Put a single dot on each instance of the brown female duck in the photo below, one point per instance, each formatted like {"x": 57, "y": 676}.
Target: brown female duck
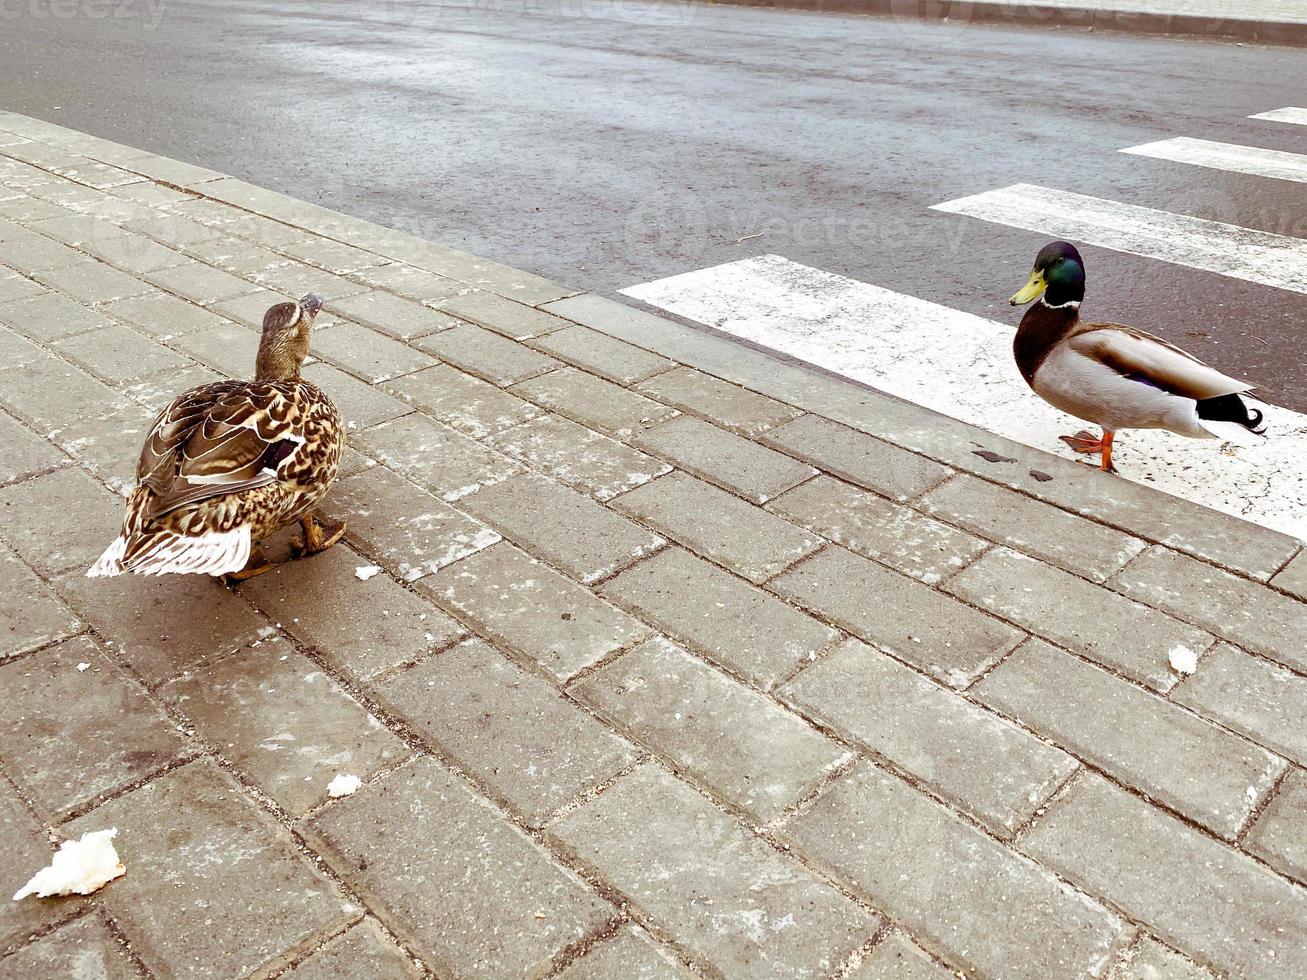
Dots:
{"x": 228, "y": 463}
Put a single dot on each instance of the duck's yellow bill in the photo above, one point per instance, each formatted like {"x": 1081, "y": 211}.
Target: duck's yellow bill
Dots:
{"x": 1031, "y": 291}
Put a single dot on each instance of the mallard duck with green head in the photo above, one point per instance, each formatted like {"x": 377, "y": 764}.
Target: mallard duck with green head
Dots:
{"x": 229, "y": 463}
{"x": 1116, "y": 376}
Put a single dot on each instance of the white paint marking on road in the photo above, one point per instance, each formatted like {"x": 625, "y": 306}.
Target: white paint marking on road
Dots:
{"x": 1213, "y": 246}
{"x": 961, "y": 365}
{"x": 1254, "y": 160}
{"x": 1289, "y": 114}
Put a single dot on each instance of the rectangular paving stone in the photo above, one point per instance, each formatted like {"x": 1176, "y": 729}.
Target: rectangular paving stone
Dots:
{"x": 603, "y": 355}
{"x": 409, "y": 531}
{"x": 535, "y": 749}
{"x": 49, "y": 393}
{"x": 90, "y": 281}
{"x": 161, "y": 314}
{"x": 299, "y": 278}
{"x": 730, "y": 461}
{"x": 1293, "y": 577}
{"x": 35, "y": 520}
{"x": 902, "y": 851}
{"x": 237, "y": 256}
{"x": 730, "y": 406}
{"x": 29, "y": 252}
{"x": 987, "y": 766}
{"x": 594, "y": 402}
{"x": 31, "y": 614}
{"x": 1258, "y": 699}
{"x": 26, "y": 851}
{"x": 486, "y": 354}
{"x": 113, "y": 737}
{"x": 201, "y": 283}
{"x": 107, "y": 439}
{"x": 529, "y": 608}
{"x": 83, "y": 948}
{"x": 390, "y": 314}
{"x": 733, "y": 902}
{"x": 1086, "y": 619}
{"x": 877, "y": 528}
{"x": 896, "y": 958}
{"x": 724, "y": 735}
{"x": 1253, "y": 616}
{"x": 227, "y": 347}
{"x": 1197, "y": 769}
{"x": 941, "y": 636}
{"x": 408, "y": 281}
{"x": 359, "y": 403}
{"x": 501, "y": 315}
{"x": 717, "y": 525}
{"x": 474, "y": 407}
{"x": 17, "y": 351}
{"x": 49, "y": 316}
{"x": 14, "y": 285}
{"x": 506, "y": 907}
{"x": 213, "y": 886}
{"x": 1058, "y": 537}
{"x": 156, "y": 391}
{"x": 360, "y": 627}
{"x": 577, "y": 456}
{"x": 26, "y": 453}
{"x": 333, "y": 256}
{"x": 284, "y": 723}
{"x": 367, "y": 353}
{"x": 561, "y": 526}
{"x": 737, "y": 626}
{"x": 160, "y": 626}
{"x": 107, "y": 241}
{"x": 173, "y": 229}
{"x": 857, "y": 457}
{"x": 630, "y": 954}
{"x": 435, "y": 456}
{"x": 1150, "y": 960}
{"x": 363, "y": 950}
{"x": 1279, "y": 837}
{"x": 118, "y": 354}
{"x": 1218, "y": 905}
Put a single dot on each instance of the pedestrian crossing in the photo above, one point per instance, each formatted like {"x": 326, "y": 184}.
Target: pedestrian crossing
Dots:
{"x": 960, "y": 364}
{"x": 1212, "y": 246}
{"x": 1289, "y": 114}
{"x": 1253, "y": 160}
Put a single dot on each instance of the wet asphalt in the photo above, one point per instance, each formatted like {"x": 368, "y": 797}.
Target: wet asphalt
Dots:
{"x": 604, "y": 143}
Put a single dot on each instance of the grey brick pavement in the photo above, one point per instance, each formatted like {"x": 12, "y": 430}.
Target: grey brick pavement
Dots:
{"x": 683, "y": 660}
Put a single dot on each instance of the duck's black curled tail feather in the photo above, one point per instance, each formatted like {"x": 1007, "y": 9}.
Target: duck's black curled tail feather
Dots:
{"x": 1230, "y": 408}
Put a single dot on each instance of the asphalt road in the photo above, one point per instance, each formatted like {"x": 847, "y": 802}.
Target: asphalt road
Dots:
{"x": 607, "y": 143}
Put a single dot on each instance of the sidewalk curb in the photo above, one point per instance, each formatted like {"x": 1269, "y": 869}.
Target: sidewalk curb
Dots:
{"x": 1037, "y": 15}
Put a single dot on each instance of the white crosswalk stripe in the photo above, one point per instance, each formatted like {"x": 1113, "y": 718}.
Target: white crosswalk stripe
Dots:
{"x": 1289, "y": 114}
{"x": 1213, "y": 246}
{"x": 961, "y": 365}
{"x": 1254, "y": 160}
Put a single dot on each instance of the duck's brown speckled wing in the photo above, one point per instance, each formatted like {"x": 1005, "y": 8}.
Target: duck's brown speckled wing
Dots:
{"x": 233, "y": 436}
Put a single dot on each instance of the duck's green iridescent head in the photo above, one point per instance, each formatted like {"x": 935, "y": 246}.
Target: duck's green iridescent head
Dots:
{"x": 1058, "y": 276}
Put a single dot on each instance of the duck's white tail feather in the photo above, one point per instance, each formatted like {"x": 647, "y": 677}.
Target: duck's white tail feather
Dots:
{"x": 217, "y": 553}
{"x": 111, "y": 562}
{"x": 1240, "y": 435}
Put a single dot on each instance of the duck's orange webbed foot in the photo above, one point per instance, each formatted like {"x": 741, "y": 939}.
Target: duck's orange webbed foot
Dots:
{"x": 316, "y": 538}
{"x": 257, "y": 565}
{"x": 1086, "y": 443}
